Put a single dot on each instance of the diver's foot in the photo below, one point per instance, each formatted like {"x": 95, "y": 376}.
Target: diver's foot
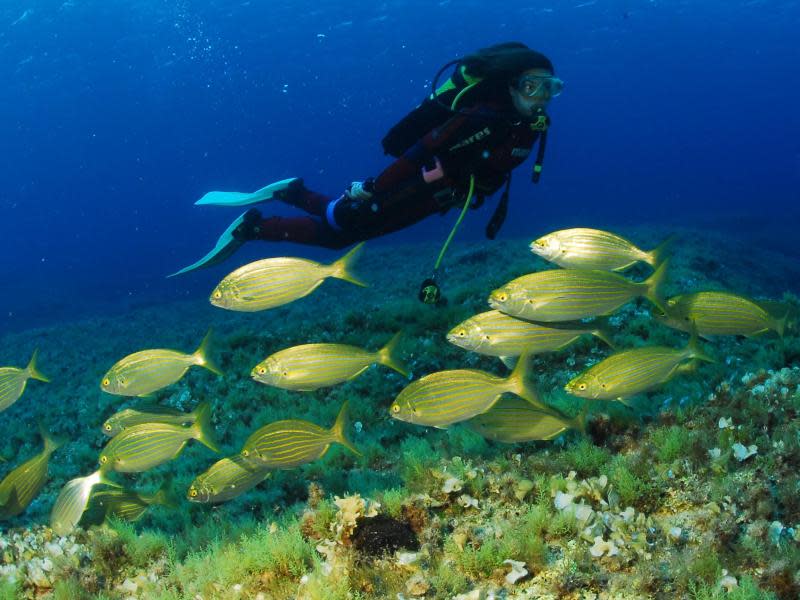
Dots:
{"x": 292, "y": 193}
{"x": 250, "y": 227}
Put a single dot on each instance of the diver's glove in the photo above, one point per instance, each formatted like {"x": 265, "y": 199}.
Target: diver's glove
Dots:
{"x": 361, "y": 190}
{"x": 250, "y": 227}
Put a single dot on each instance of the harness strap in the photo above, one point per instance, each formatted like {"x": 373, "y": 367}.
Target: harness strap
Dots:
{"x": 499, "y": 214}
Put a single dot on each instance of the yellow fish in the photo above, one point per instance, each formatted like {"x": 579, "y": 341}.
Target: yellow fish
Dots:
{"x": 14, "y": 379}
{"x": 723, "y": 313}
{"x": 148, "y": 445}
{"x": 291, "y": 443}
{"x": 73, "y": 499}
{"x": 146, "y": 414}
{"x": 493, "y": 333}
{"x": 446, "y": 397}
{"x": 572, "y": 294}
{"x": 313, "y": 366}
{"x": 24, "y": 483}
{"x": 630, "y": 372}
{"x": 226, "y": 479}
{"x": 514, "y": 420}
{"x": 144, "y": 372}
{"x": 274, "y": 282}
{"x": 123, "y": 504}
{"x": 583, "y": 248}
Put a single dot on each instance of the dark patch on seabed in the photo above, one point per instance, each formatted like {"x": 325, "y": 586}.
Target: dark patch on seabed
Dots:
{"x": 691, "y": 492}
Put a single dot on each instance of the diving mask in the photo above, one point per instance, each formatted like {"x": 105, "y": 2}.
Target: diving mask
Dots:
{"x": 532, "y": 85}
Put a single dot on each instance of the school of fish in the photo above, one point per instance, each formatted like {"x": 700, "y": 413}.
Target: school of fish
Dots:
{"x": 544, "y": 311}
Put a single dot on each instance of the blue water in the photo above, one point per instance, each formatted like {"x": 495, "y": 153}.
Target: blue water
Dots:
{"x": 116, "y": 116}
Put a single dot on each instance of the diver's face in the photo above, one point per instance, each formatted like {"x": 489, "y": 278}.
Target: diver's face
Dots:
{"x": 532, "y": 92}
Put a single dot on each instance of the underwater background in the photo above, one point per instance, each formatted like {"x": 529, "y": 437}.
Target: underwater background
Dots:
{"x": 677, "y": 118}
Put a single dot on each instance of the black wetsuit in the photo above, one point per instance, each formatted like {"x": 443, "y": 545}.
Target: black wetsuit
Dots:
{"x": 476, "y": 142}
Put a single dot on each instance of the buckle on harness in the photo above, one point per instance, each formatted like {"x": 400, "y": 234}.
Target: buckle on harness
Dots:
{"x": 434, "y": 174}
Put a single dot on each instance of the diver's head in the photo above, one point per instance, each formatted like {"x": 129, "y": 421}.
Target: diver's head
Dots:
{"x": 533, "y": 89}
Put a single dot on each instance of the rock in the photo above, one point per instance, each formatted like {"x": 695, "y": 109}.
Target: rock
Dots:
{"x": 417, "y": 586}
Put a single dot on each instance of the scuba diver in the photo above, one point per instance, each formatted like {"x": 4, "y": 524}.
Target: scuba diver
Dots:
{"x": 456, "y": 148}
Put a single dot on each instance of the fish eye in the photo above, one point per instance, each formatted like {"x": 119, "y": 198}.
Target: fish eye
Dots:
{"x": 261, "y": 370}
{"x": 581, "y": 386}
{"x": 103, "y": 460}
{"x": 107, "y": 427}
{"x": 502, "y": 297}
{"x": 395, "y": 408}
{"x": 461, "y": 333}
{"x": 106, "y": 382}
{"x": 217, "y": 294}
{"x": 192, "y": 493}
{"x": 245, "y": 453}
{"x": 285, "y": 373}
{"x": 604, "y": 385}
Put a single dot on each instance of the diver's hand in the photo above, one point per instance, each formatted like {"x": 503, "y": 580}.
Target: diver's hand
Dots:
{"x": 360, "y": 190}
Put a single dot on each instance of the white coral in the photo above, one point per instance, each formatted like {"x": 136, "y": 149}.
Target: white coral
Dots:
{"x": 518, "y": 570}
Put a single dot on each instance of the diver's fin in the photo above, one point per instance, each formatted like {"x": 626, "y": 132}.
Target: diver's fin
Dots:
{"x": 245, "y": 199}
{"x": 226, "y": 246}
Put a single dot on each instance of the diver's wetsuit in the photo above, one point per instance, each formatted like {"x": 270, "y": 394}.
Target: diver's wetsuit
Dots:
{"x": 476, "y": 142}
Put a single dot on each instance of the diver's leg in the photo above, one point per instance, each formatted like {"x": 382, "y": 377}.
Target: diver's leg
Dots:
{"x": 307, "y": 230}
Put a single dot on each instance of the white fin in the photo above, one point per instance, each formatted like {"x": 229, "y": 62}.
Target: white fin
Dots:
{"x": 226, "y": 245}
{"x": 244, "y": 198}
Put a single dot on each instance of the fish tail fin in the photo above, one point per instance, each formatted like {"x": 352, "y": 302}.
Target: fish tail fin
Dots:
{"x": 165, "y": 496}
{"x": 388, "y": 355}
{"x": 343, "y": 268}
{"x": 654, "y": 283}
{"x": 693, "y": 349}
{"x": 33, "y": 369}
{"x": 203, "y": 428}
{"x": 51, "y": 443}
{"x": 780, "y": 324}
{"x": 602, "y": 331}
{"x": 519, "y": 384}
{"x": 582, "y": 418}
{"x": 202, "y": 355}
{"x": 658, "y": 255}
{"x": 339, "y": 429}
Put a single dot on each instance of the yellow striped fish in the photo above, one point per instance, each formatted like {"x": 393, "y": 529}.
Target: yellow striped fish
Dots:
{"x": 148, "y": 445}
{"x": 226, "y": 479}
{"x": 274, "y": 282}
{"x": 123, "y": 504}
{"x": 144, "y": 372}
{"x": 493, "y": 333}
{"x": 572, "y": 294}
{"x": 291, "y": 443}
{"x": 630, "y": 372}
{"x": 583, "y": 248}
{"x": 312, "y": 366}
{"x": 73, "y": 499}
{"x": 446, "y": 397}
{"x": 146, "y": 414}
{"x": 514, "y": 420}
{"x": 721, "y": 313}
{"x": 23, "y": 484}
{"x": 14, "y": 379}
